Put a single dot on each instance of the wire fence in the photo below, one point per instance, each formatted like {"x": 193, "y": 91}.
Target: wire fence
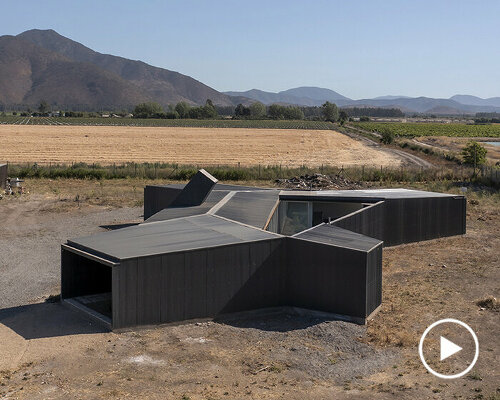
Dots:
{"x": 237, "y": 172}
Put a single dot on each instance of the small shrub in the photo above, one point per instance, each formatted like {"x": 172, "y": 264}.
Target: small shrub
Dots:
{"x": 387, "y": 137}
{"x": 474, "y": 154}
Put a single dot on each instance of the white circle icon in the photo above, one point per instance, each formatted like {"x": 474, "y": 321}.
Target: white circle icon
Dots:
{"x": 448, "y": 348}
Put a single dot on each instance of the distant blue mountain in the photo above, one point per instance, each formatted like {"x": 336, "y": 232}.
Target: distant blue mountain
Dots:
{"x": 315, "y": 96}
{"x": 306, "y": 96}
{"x": 476, "y": 101}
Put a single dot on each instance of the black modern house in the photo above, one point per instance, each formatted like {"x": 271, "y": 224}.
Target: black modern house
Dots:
{"x": 207, "y": 249}
{"x": 3, "y": 175}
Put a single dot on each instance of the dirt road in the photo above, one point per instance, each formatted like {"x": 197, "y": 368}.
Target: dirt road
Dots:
{"x": 407, "y": 158}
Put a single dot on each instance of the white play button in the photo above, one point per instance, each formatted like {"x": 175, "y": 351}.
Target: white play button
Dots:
{"x": 448, "y": 348}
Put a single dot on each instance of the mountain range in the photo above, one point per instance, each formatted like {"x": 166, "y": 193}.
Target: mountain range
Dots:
{"x": 41, "y": 65}
{"x": 313, "y": 96}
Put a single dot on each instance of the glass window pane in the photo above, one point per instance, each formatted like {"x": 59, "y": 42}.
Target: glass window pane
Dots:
{"x": 295, "y": 217}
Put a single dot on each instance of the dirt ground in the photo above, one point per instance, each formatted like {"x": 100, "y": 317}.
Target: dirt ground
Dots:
{"x": 203, "y": 146}
{"x": 50, "y": 352}
{"x": 456, "y": 144}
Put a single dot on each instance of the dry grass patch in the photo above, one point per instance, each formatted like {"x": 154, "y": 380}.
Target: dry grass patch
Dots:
{"x": 194, "y": 146}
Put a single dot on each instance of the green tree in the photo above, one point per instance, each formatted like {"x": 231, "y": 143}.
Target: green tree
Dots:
{"x": 343, "y": 117}
{"x": 182, "y": 109}
{"x": 43, "y": 107}
{"x": 293, "y": 113}
{"x": 257, "y": 110}
{"x": 148, "y": 110}
{"x": 196, "y": 113}
{"x": 209, "y": 111}
{"x": 276, "y": 111}
{"x": 241, "y": 111}
{"x": 330, "y": 112}
{"x": 474, "y": 154}
{"x": 387, "y": 137}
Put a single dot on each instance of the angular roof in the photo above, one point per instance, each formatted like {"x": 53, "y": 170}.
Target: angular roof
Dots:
{"x": 251, "y": 208}
{"x": 231, "y": 214}
{"x": 335, "y": 236}
{"x": 370, "y": 195}
{"x": 178, "y": 212}
{"x": 170, "y": 236}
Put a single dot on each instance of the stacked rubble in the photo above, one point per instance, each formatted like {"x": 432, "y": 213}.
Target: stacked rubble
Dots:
{"x": 318, "y": 182}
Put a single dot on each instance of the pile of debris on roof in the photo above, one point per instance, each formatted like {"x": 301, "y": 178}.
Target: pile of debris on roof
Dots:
{"x": 318, "y": 182}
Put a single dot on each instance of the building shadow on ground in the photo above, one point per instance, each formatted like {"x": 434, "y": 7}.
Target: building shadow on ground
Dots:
{"x": 42, "y": 320}
{"x": 283, "y": 319}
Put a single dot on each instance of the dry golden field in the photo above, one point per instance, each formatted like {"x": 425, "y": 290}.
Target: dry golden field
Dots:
{"x": 202, "y": 146}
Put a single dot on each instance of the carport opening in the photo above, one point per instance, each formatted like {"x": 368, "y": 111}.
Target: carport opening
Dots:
{"x": 87, "y": 283}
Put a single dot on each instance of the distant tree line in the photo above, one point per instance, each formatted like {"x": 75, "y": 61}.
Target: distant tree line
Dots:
{"x": 487, "y": 118}
{"x": 183, "y": 110}
{"x": 373, "y": 112}
{"x": 180, "y": 110}
{"x": 327, "y": 112}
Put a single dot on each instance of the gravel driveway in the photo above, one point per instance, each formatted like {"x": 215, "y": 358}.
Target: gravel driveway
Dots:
{"x": 31, "y": 233}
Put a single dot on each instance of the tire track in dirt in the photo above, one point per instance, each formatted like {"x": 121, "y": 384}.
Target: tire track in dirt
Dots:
{"x": 403, "y": 155}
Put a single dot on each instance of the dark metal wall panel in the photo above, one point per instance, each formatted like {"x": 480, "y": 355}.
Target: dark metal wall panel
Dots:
{"x": 195, "y": 284}
{"x": 156, "y": 198}
{"x": 326, "y": 278}
{"x": 127, "y": 294}
{"x": 200, "y": 283}
{"x": 269, "y": 267}
{"x": 397, "y": 221}
{"x": 368, "y": 221}
{"x": 3, "y": 176}
{"x": 148, "y": 290}
{"x": 412, "y": 220}
{"x": 225, "y": 283}
{"x": 172, "y": 287}
{"x": 373, "y": 279}
{"x": 115, "y": 299}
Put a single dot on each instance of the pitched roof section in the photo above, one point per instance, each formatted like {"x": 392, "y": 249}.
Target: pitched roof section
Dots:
{"x": 369, "y": 195}
{"x": 251, "y": 208}
{"x": 178, "y": 212}
{"x": 196, "y": 191}
{"x": 332, "y": 235}
{"x": 183, "y": 234}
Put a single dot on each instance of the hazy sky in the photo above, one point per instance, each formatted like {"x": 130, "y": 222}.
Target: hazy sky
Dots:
{"x": 359, "y": 48}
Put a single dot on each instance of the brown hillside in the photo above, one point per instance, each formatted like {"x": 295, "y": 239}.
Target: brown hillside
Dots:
{"x": 29, "y": 74}
{"x": 162, "y": 85}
